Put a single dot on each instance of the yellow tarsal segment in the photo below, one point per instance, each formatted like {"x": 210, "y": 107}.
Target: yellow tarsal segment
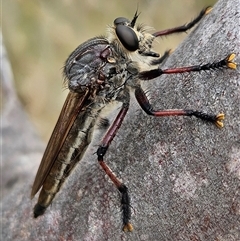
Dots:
{"x": 231, "y": 56}
{"x": 219, "y": 120}
{"x": 208, "y": 10}
{"x": 230, "y": 63}
{"x": 128, "y": 227}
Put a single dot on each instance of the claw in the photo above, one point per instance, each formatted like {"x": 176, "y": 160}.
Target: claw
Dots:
{"x": 230, "y": 63}
{"x": 219, "y": 120}
{"x": 208, "y": 10}
{"x": 128, "y": 227}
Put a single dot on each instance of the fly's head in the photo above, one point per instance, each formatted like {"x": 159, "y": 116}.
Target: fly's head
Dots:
{"x": 132, "y": 39}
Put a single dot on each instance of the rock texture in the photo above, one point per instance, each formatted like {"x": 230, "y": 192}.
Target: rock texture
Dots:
{"x": 183, "y": 174}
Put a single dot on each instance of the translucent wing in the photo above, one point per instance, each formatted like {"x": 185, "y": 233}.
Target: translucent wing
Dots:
{"x": 72, "y": 106}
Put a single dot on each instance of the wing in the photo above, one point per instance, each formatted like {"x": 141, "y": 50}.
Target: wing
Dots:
{"x": 72, "y": 106}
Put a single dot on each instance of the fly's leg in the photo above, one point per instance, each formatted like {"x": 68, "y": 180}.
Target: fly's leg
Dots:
{"x": 147, "y": 107}
{"x": 224, "y": 63}
{"x": 125, "y": 199}
{"x": 162, "y": 58}
{"x": 179, "y": 29}
{"x": 184, "y": 27}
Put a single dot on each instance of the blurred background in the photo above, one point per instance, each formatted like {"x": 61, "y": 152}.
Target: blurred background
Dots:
{"x": 40, "y": 35}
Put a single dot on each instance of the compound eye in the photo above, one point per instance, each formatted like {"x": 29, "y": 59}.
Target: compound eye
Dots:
{"x": 121, "y": 21}
{"x": 127, "y": 37}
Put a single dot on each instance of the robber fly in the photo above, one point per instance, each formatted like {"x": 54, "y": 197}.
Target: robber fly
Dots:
{"x": 100, "y": 71}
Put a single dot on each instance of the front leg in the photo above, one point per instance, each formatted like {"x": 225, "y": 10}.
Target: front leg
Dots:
{"x": 184, "y": 27}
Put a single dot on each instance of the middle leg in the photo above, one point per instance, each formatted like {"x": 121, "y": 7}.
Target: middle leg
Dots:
{"x": 224, "y": 63}
{"x": 147, "y": 107}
